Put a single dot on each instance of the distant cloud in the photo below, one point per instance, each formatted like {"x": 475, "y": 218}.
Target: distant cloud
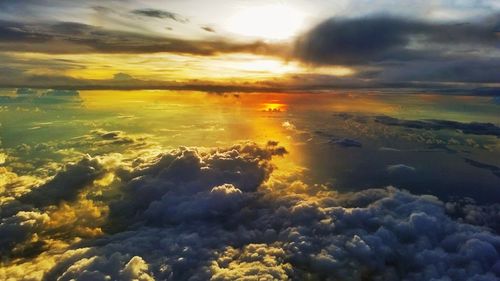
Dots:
{"x": 71, "y": 37}
{"x": 494, "y": 169}
{"x": 122, "y": 76}
{"x": 201, "y": 213}
{"x": 208, "y": 29}
{"x": 394, "y": 52}
{"x": 66, "y": 184}
{"x": 475, "y": 128}
{"x": 385, "y": 38}
{"x": 400, "y": 168}
{"x": 160, "y": 14}
{"x": 345, "y": 142}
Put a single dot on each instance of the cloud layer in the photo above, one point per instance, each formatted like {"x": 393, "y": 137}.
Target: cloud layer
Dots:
{"x": 385, "y": 38}
{"x": 199, "y": 214}
{"x": 383, "y": 50}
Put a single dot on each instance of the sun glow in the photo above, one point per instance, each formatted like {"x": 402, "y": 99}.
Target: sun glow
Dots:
{"x": 274, "y": 107}
{"x": 272, "y": 22}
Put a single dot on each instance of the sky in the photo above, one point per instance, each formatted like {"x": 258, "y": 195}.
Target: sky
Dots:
{"x": 434, "y": 46}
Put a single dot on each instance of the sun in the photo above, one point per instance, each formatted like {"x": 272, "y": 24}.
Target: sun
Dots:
{"x": 269, "y": 22}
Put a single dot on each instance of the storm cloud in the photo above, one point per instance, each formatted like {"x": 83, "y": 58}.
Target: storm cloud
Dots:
{"x": 394, "y": 52}
{"x": 385, "y": 38}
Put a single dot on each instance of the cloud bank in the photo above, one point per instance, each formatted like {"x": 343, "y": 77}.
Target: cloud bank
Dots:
{"x": 220, "y": 214}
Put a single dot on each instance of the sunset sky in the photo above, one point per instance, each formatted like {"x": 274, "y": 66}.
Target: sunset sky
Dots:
{"x": 249, "y": 140}
{"x": 250, "y": 45}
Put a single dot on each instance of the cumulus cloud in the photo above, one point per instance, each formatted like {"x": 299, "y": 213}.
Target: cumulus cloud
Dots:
{"x": 196, "y": 214}
{"x": 17, "y": 229}
{"x": 66, "y": 184}
{"x": 379, "y": 234}
{"x": 188, "y": 184}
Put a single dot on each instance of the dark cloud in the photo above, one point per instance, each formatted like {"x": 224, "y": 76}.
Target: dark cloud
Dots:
{"x": 66, "y": 185}
{"x": 467, "y": 210}
{"x": 345, "y": 142}
{"x": 188, "y": 184}
{"x": 474, "y": 128}
{"x": 160, "y": 14}
{"x": 127, "y": 82}
{"x": 379, "y": 234}
{"x": 115, "y": 138}
{"x": 71, "y": 37}
{"x": 208, "y": 29}
{"x": 384, "y": 38}
{"x": 494, "y": 169}
{"x": 392, "y": 52}
{"x": 19, "y": 228}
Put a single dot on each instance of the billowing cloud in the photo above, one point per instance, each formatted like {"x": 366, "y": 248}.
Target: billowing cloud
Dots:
{"x": 194, "y": 213}
{"x": 66, "y": 184}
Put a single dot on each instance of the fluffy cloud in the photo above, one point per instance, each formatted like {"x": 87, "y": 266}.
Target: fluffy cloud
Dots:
{"x": 112, "y": 268}
{"x": 66, "y": 184}
{"x": 22, "y": 227}
{"x": 345, "y": 142}
{"x": 197, "y": 214}
{"x": 188, "y": 184}
{"x": 253, "y": 261}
